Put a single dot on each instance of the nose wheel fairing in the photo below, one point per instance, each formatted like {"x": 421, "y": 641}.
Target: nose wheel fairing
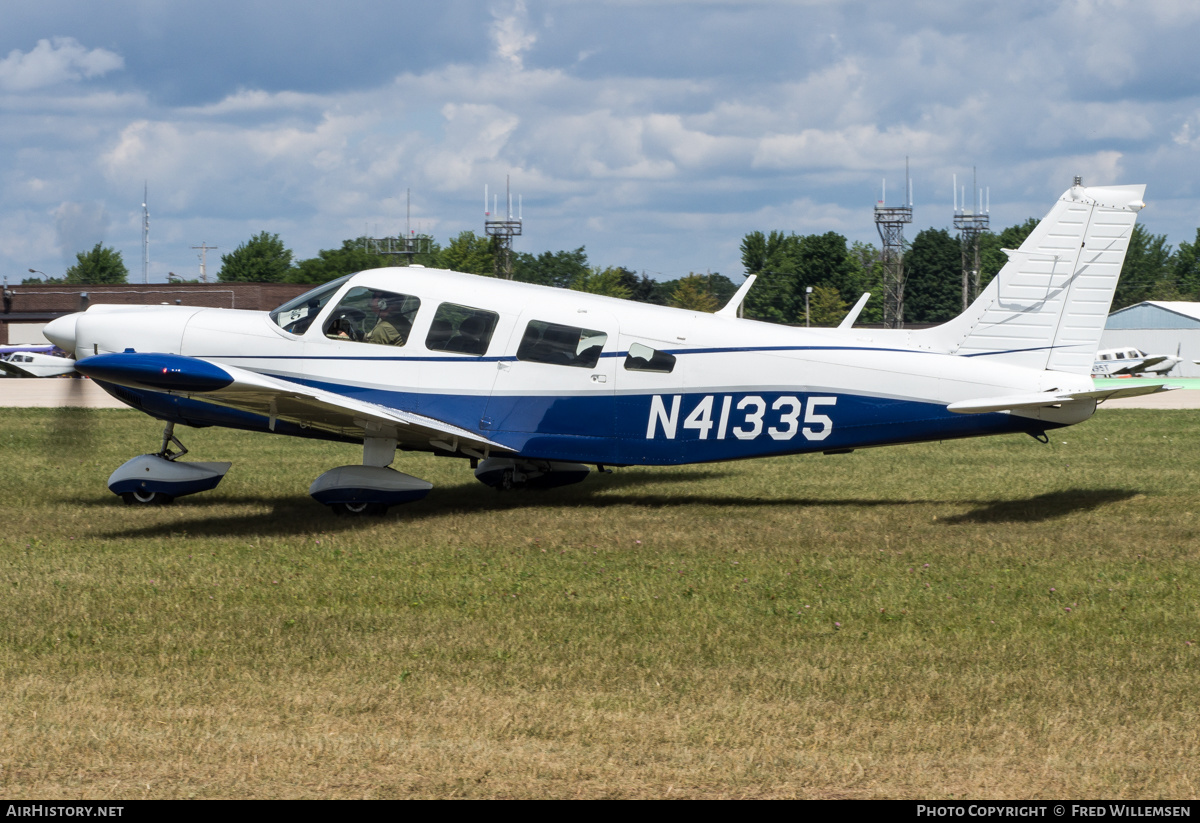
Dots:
{"x": 156, "y": 479}
{"x": 149, "y": 478}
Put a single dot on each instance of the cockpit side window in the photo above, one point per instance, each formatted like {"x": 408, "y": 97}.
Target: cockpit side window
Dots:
{"x": 461, "y": 329}
{"x": 298, "y": 314}
{"x": 644, "y": 358}
{"x": 375, "y": 316}
{"x": 561, "y": 345}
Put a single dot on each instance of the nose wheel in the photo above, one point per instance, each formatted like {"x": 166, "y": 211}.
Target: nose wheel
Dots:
{"x": 157, "y": 479}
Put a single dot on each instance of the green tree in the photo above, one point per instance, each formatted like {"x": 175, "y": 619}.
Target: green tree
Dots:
{"x": 1147, "y": 265}
{"x": 773, "y": 257}
{"x": 330, "y": 264}
{"x": 933, "y": 278}
{"x": 786, "y": 265}
{"x": 101, "y": 265}
{"x": 261, "y": 259}
{"x": 692, "y": 293}
{"x": 470, "y": 253}
{"x": 641, "y": 288}
{"x": 559, "y": 269}
{"x": 1185, "y": 269}
{"x": 867, "y": 265}
{"x": 826, "y": 306}
{"x": 602, "y": 281}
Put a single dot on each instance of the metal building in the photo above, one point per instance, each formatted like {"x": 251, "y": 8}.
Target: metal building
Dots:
{"x": 1158, "y": 327}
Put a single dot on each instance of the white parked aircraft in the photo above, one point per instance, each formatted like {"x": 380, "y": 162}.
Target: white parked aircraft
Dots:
{"x": 534, "y": 384}
{"x": 1116, "y": 362}
{"x": 34, "y": 361}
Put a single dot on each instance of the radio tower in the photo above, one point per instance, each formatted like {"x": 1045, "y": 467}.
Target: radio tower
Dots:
{"x": 503, "y": 230}
{"x": 408, "y": 246}
{"x": 145, "y": 233}
{"x": 890, "y": 221}
{"x": 971, "y": 223}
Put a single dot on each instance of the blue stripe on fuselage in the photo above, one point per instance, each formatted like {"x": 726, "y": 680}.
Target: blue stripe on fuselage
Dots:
{"x": 608, "y": 428}
{"x": 644, "y": 429}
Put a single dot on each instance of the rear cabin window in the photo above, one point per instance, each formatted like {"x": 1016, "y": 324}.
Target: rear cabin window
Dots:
{"x": 375, "y": 316}
{"x": 644, "y": 358}
{"x": 561, "y": 345}
{"x": 461, "y": 329}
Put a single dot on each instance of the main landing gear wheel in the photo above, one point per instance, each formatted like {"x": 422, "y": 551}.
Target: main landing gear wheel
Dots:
{"x": 146, "y": 498}
{"x": 358, "y": 509}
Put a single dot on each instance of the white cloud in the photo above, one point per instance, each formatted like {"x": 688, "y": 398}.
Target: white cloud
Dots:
{"x": 655, "y": 146}
{"x": 55, "y": 61}
{"x": 510, "y": 34}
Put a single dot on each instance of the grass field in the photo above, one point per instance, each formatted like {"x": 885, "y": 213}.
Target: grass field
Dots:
{"x": 987, "y": 618}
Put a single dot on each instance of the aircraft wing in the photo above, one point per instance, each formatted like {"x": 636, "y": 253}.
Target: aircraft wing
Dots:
{"x": 1015, "y": 402}
{"x": 279, "y": 399}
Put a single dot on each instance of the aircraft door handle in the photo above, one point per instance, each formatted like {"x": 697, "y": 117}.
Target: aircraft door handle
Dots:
{"x": 599, "y": 378}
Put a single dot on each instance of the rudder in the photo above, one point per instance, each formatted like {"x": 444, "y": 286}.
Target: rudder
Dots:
{"x": 1047, "y": 307}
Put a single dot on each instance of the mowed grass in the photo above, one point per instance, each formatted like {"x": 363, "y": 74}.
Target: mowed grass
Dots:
{"x": 986, "y": 618}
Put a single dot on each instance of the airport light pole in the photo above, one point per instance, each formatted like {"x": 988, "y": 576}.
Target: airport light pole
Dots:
{"x": 807, "y": 292}
{"x": 42, "y": 273}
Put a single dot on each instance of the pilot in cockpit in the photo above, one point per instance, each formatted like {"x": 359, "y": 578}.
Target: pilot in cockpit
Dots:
{"x": 385, "y": 332}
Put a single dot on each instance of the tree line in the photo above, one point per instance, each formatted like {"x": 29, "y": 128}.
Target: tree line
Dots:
{"x": 801, "y": 278}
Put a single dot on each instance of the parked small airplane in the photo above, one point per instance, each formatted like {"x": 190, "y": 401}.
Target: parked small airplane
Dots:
{"x": 34, "y": 361}
{"x": 534, "y": 384}
{"x": 1117, "y": 362}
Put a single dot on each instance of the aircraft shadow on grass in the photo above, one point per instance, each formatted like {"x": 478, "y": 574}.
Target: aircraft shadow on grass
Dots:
{"x": 1047, "y": 506}
{"x": 302, "y": 518}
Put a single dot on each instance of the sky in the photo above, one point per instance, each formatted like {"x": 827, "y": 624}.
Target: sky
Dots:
{"x": 655, "y": 134}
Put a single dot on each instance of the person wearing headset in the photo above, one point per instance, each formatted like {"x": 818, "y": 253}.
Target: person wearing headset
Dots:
{"x": 385, "y": 332}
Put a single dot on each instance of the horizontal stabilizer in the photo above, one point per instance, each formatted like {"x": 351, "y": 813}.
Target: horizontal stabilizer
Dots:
{"x": 1015, "y": 402}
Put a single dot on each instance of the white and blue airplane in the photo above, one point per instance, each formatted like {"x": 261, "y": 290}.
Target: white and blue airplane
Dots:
{"x": 534, "y": 384}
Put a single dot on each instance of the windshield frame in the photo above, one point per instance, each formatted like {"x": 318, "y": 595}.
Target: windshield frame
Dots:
{"x": 323, "y": 294}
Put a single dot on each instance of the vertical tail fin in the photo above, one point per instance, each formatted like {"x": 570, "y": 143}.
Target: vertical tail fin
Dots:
{"x": 1047, "y": 307}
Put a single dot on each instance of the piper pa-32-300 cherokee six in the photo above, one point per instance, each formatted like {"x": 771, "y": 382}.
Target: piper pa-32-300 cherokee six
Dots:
{"x": 534, "y": 384}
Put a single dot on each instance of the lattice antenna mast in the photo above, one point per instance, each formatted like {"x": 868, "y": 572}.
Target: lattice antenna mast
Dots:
{"x": 145, "y": 233}
{"x": 503, "y": 230}
{"x": 408, "y": 246}
{"x": 204, "y": 250}
{"x": 971, "y": 223}
{"x": 890, "y": 222}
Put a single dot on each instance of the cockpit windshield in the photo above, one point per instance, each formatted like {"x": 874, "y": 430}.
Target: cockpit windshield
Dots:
{"x": 297, "y": 315}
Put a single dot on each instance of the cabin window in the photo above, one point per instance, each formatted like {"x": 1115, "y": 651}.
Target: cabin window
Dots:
{"x": 367, "y": 315}
{"x": 644, "y": 358}
{"x": 1120, "y": 355}
{"x": 461, "y": 329}
{"x": 561, "y": 345}
{"x": 297, "y": 315}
